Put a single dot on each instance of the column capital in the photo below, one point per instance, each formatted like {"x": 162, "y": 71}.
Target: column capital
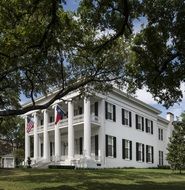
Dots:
{"x": 69, "y": 100}
{"x": 45, "y": 110}
{"x": 35, "y": 114}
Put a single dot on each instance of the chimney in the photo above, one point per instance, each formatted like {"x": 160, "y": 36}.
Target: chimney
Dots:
{"x": 170, "y": 117}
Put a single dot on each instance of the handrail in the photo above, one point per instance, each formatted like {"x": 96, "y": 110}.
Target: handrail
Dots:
{"x": 64, "y": 122}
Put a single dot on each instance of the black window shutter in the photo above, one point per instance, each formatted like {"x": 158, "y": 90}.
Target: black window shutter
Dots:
{"x": 143, "y": 124}
{"x": 162, "y": 134}
{"x": 106, "y": 144}
{"x": 130, "y": 119}
{"x": 152, "y": 127}
{"x": 146, "y": 123}
{"x": 106, "y": 110}
{"x": 130, "y": 150}
{"x": 137, "y": 151}
{"x": 143, "y": 150}
{"x": 114, "y": 144}
{"x": 152, "y": 154}
{"x": 81, "y": 145}
{"x": 96, "y": 145}
{"x": 96, "y": 108}
{"x": 41, "y": 149}
{"x": 80, "y": 110}
{"x": 51, "y": 148}
{"x": 136, "y": 121}
{"x": 147, "y": 153}
{"x": 114, "y": 113}
{"x": 123, "y": 116}
{"x": 123, "y": 148}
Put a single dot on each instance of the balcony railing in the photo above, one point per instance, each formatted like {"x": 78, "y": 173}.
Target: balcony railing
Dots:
{"x": 78, "y": 119}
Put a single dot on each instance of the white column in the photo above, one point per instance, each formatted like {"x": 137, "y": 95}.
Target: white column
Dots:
{"x": 87, "y": 128}
{"x": 36, "y": 150}
{"x": 101, "y": 132}
{"x": 27, "y": 142}
{"x": 70, "y": 130}
{"x": 57, "y": 140}
{"x": 46, "y": 137}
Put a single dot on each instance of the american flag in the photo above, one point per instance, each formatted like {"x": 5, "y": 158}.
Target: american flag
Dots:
{"x": 30, "y": 124}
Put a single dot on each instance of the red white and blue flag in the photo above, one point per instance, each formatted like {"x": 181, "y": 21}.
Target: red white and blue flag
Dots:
{"x": 30, "y": 124}
{"x": 60, "y": 114}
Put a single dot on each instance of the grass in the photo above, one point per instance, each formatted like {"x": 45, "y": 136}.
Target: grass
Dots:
{"x": 109, "y": 179}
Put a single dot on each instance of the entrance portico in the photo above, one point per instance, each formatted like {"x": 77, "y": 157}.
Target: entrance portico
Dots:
{"x": 70, "y": 139}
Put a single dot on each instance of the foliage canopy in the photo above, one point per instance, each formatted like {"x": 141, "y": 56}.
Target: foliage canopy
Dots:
{"x": 43, "y": 47}
{"x": 176, "y": 147}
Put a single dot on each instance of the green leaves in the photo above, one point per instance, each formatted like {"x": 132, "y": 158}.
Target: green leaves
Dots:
{"x": 176, "y": 148}
{"x": 42, "y": 47}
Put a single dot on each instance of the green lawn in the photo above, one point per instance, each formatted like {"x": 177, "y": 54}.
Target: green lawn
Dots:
{"x": 108, "y": 179}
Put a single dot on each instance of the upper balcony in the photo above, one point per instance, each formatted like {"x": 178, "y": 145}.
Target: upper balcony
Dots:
{"x": 77, "y": 120}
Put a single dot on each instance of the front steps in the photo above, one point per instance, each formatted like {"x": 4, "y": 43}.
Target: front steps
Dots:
{"x": 68, "y": 164}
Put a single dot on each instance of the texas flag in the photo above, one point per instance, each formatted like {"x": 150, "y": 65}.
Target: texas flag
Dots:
{"x": 60, "y": 114}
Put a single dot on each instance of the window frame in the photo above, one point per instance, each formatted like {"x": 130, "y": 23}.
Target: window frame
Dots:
{"x": 149, "y": 126}
{"x": 126, "y": 149}
{"x": 110, "y": 141}
{"x": 140, "y": 152}
{"x": 139, "y": 122}
{"x": 110, "y": 111}
{"x": 126, "y": 117}
{"x": 110, "y": 138}
{"x": 160, "y": 134}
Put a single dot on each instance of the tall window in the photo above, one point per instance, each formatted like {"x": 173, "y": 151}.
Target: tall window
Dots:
{"x": 110, "y": 111}
{"x": 51, "y": 119}
{"x": 160, "y": 158}
{"x": 110, "y": 146}
{"x": 126, "y": 118}
{"x": 149, "y": 153}
{"x": 139, "y": 122}
{"x": 149, "y": 126}
{"x": 160, "y": 134}
{"x": 41, "y": 122}
{"x": 139, "y": 152}
{"x": 127, "y": 149}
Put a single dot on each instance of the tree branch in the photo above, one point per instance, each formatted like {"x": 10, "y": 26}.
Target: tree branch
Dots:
{"x": 32, "y": 88}
{"x": 125, "y": 13}
{"x": 59, "y": 95}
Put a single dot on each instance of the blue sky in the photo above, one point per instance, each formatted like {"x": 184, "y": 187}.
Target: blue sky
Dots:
{"x": 143, "y": 95}
{"x": 71, "y": 5}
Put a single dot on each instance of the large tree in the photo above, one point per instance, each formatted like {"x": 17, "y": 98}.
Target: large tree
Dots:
{"x": 176, "y": 147}
{"x": 44, "y": 47}
{"x": 12, "y": 133}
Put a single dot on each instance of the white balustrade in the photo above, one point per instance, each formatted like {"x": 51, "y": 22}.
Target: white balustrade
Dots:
{"x": 64, "y": 123}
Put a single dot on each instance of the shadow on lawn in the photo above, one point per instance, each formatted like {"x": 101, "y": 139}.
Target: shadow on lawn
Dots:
{"x": 113, "y": 186}
{"x": 95, "y": 180}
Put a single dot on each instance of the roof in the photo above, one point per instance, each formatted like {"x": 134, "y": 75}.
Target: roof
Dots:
{"x": 115, "y": 90}
{"x": 136, "y": 101}
{"x": 163, "y": 120}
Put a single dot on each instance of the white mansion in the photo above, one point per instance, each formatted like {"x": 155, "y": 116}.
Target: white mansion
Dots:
{"x": 113, "y": 130}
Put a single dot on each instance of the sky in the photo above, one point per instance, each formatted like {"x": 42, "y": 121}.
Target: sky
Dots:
{"x": 142, "y": 95}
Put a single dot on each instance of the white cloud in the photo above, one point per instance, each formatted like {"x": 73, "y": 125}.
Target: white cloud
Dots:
{"x": 177, "y": 109}
{"x": 145, "y": 96}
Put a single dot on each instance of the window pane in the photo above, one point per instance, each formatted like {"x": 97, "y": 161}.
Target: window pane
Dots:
{"x": 110, "y": 150}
